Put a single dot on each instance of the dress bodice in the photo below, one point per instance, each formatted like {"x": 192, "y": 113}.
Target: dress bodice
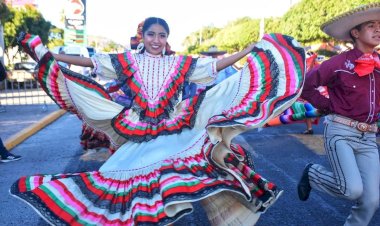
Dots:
{"x": 157, "y": 86}
{"x": 154, "y": 72}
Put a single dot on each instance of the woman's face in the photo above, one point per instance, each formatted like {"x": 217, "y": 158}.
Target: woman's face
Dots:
{"x": 155, "y": 39}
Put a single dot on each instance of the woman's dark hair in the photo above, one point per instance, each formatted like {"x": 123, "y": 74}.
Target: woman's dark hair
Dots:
{"x": 155, "y": 20}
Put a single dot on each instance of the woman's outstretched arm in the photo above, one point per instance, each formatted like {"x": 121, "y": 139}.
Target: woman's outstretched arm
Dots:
{"x": 230, "y": 60}
{"x": 75, "y": 60}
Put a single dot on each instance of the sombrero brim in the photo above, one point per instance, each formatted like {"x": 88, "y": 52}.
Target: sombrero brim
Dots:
{"x": 213, "y": 53}
{"x": 340, "y": 26}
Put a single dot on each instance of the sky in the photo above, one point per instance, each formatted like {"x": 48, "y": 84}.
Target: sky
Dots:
{"x": 118, "y": 19}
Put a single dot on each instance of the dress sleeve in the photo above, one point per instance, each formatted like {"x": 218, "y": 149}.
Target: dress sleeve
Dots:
{"x": 204, "y": 72}
{"x": 103, "y": 66}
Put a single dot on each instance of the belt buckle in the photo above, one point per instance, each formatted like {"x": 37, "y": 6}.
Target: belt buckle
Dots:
{"x": 362, "y": 127}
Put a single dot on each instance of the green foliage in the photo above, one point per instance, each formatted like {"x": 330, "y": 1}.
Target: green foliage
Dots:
{"x": 272, "y": 25}
{"x": 5, "y": 14}
{"x": 225, "y": 38}
{"x": 302, "y": 21}
{"x": 55, "y": 37}
{"x": 237, "y": 35}
{"x": 198, "y": 40}
{"x": 112, "y": 47}
{"x": 26, "y": 19}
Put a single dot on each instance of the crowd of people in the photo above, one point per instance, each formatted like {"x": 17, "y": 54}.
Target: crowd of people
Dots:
{"x": 170, "y": 120}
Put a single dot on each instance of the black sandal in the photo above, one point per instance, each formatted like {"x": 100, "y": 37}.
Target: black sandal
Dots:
{"x": 308, "y": 132}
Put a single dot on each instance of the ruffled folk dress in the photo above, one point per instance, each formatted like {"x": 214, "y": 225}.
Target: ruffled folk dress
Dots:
{"x": 173, "y": 142}
{"x": 301, "y": 109}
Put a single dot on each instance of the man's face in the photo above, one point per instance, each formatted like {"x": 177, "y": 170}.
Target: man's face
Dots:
{"x": 368, "y": 35}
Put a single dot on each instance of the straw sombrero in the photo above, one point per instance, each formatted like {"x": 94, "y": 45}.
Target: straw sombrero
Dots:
{"x": 212, "y": 51}
{"x": 340, "y": 26}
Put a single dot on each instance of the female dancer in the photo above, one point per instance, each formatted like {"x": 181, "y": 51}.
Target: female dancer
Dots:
{"x": 173, "y": 145}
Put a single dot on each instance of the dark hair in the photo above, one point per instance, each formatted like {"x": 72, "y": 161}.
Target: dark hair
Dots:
{"x": 155, "y": 20}
{"x": 357, "y": 27}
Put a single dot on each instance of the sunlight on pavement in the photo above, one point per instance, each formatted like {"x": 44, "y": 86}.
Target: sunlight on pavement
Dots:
{"x": 314, "y": 142}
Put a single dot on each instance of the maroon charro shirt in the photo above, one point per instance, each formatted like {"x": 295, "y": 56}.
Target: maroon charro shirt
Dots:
{"x": 351, "y": 96}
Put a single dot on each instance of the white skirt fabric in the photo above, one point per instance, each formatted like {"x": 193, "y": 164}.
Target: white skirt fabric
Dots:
{"x": 155, "y": 182}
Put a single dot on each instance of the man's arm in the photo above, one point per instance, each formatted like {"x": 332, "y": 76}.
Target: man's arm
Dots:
{"x": 321, "y": 75}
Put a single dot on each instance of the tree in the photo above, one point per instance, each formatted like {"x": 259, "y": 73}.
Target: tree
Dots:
{"x": 4, "y": 12}
{"x": 4, "y": 16}
{"x": 238, "y": 34}
{"x": 112, "y": 47}
{"x": 200, "y": 40}
{"x": 303, "y": 20}
{"x": 225, "y": 38}
{"x": 26, "y": 19}
{"x": 55, "y": 37}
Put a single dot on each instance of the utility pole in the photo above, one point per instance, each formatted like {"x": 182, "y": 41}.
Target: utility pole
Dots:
{"x": 200, "y": 37}
{"x": 262, "y": 28}
{"x": 1, "y": 43}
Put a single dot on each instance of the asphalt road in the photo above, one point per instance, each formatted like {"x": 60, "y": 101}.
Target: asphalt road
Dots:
{"x": 15, "y": 118}
{"x": 279, "y": 155}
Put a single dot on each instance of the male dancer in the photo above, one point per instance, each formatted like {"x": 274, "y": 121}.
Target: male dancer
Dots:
{"x": 353, "y": 82}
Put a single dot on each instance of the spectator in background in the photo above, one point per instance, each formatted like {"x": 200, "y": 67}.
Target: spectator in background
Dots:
{"x": 311, "y": 62}
{"x": 226, "y": 72}
{"x": 6, "y": 156}
{"x": 4, "y": 153}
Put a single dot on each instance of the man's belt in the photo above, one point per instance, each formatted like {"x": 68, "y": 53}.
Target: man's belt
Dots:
{"x": 361, "y": 126}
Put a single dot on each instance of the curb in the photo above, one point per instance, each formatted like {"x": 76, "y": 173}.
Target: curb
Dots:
{"x": 29, "y": 131}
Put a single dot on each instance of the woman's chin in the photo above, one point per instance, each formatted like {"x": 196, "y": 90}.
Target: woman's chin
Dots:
{"x": 155, "y": 52}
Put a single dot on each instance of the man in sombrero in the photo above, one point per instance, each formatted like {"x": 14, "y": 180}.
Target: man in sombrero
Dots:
{"x": 214, "y": 52}
{"x": 353, "y": 82}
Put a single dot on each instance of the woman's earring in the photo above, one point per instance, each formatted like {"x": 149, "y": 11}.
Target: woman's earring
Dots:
{"x": 163, "y": 51}
{"x": 140, "y": 47}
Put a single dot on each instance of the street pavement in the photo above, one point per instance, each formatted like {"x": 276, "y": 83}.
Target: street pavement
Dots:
{"x": 280, "y": 153}
{"x": 15, "y": 118}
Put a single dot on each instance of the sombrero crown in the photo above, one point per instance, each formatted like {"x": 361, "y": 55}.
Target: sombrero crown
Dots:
{"x": 340, "y": 26}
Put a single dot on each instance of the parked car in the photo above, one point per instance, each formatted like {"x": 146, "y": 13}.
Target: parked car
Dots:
{"x": 23, "y": 72}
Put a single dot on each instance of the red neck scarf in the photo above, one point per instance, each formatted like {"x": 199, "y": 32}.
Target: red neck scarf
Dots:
{"x": 367, "y": 63}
